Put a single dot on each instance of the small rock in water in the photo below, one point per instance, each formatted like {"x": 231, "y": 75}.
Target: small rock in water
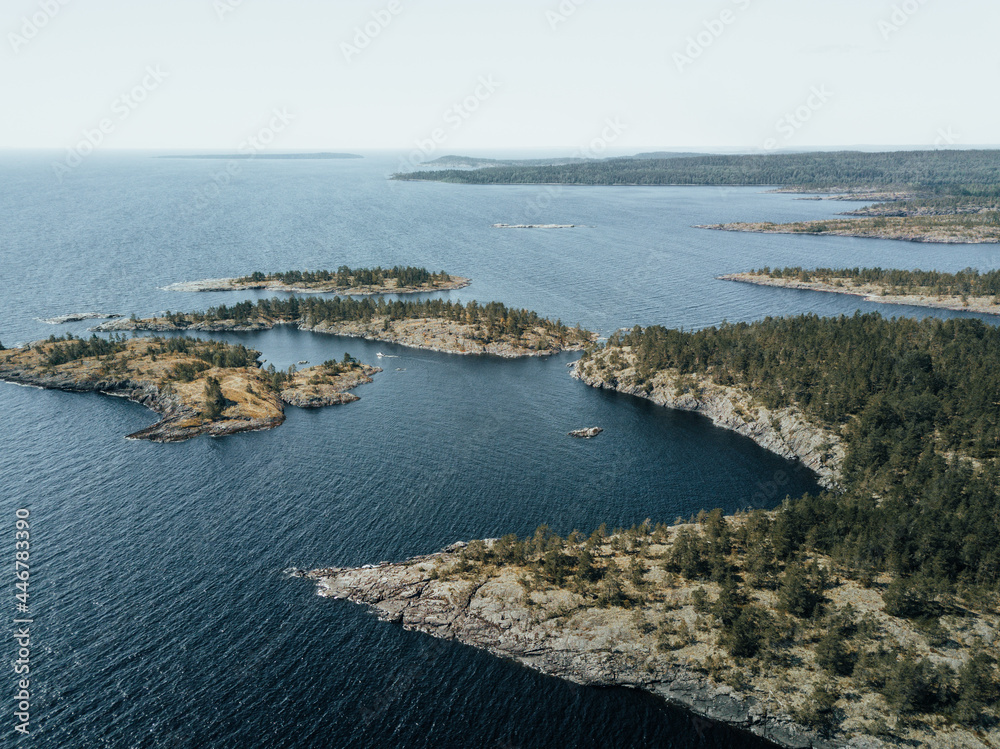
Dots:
{"x": 586, "y": 433}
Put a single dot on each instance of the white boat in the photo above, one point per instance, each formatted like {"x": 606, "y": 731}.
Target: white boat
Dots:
{"x": 380, "y": 355}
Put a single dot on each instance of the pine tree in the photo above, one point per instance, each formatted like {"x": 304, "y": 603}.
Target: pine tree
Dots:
{"x": 215, "y": 401}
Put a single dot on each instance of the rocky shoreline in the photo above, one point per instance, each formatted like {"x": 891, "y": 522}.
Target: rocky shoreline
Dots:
{"x": 179, "y": 421}
{"x": 428, "y": 334}
{"x": 785, "y": 432}
{"x": 871, "y": 293}
{"x": 78, "y": 317}
{"x": 590, "y": 646}
{"x": 310, "y": 388}
{"x": 662, "y": 633}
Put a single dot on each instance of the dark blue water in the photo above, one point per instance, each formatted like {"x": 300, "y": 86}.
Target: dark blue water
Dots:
{"x": 162, "y": 617}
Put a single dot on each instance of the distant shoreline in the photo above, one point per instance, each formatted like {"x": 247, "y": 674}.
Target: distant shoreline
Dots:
{"x": 872, "y": 293}
{"x": 273, "y": 156}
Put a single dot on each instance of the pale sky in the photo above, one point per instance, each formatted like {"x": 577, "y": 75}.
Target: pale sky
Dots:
{"x": 499, "y": 74}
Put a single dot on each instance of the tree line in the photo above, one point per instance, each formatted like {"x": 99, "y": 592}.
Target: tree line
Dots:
{"x": 347, "y": 277}
{"x": 495, "y": 319}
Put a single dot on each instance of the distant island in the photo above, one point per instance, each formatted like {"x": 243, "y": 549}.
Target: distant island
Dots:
{"x": 197, "y": 387}
{"x": 472, "y": 162}
{"x": 255, "y": 156}
{"x": 344, "y": 280}
{"x": 965, "y": 291}
{"x": 947, "y": 196}
{"x": 433, "y": 324}
{"x": 534, "y": 226}
{"x": 866, "y": 616}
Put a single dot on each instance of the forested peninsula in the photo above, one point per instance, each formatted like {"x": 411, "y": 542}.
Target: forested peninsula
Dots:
{"x": 197, "y": 387}
{"x": 433, "y": 324}
{"x": 866, "y": 616}
{"x": 977, "y": 228}
{"x": 966, "y": 291}
{"x": 344, "y": 281}
{"x": 948, "y": 196}
{"x": 829, "y": 172}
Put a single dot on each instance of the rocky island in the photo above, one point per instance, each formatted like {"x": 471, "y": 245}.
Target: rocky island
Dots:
{"x": 433, "y": 324}
{"x": 587, "y": 433}
{"x": 344, "y": 281}
{"x": 965, "y": 291}
{"x": 79, "y": 317}
{"x": 197, "y": 387}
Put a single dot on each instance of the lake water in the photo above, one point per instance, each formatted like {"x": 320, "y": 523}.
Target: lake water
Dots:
{"x": 162, "y": 617}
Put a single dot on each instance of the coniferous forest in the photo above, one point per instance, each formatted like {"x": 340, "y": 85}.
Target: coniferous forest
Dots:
{"x": 968, "y": 282}
{"x": 352, "y": 277}
{"x": 918, "y": 403}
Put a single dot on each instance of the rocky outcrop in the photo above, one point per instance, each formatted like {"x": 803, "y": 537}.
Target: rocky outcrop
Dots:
{"x": 314, "y": 388}
{"x": 78, "y": 317}
{"x": 785, "y": 431}
{"x": 587, "y": 434}
{"x": 592, "y": 646}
